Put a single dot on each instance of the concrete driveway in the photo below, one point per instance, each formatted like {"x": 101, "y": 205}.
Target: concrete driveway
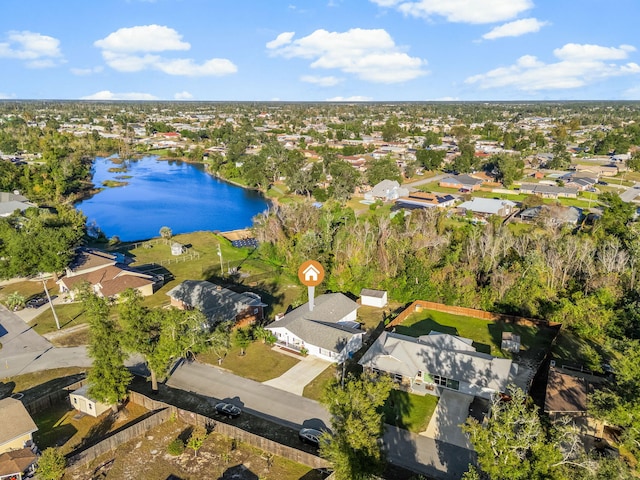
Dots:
{"x": 297, "y": 377}
{"x": 451, "y": 412}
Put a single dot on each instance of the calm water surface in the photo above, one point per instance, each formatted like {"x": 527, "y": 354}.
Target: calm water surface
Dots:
{"x": 180, "y": 195}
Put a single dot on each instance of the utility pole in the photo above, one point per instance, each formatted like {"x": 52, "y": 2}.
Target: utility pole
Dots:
{"x": 221, "y": 262}
{"x": 53, "y": 310}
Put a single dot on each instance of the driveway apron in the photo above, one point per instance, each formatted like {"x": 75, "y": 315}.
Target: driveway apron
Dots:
{"x": 297, "y": 377}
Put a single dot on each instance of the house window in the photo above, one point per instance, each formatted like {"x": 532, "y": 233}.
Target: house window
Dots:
{"x": 453, "y": 384}
{"x": 75, "y": 400}
{"x": 90, "y": 407}
{"x": 255, "y": 311}
{"x": 438, "y": 380}
{"x": 398, "y": 378}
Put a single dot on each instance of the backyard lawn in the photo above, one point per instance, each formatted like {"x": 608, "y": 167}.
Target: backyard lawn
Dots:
{"x": 409, "y": 411}
{"x": 486, "y": 335}
{"x": 260, "y": 362}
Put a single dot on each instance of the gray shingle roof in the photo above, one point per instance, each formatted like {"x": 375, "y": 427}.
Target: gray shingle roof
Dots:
{"x": 404, "y": 355}
{"x": 321, "y": 326}
{"x": 217, "y": 303}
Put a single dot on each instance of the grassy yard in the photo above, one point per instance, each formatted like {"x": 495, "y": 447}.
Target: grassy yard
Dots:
{"x": 486, "y": 335}
{"x": 260, "y": 362}
{"x": 409, "y": 411}
{"x": 42, "y": 382}
{"x": 28, "y": 289}
{"x": 315, "y": 389}
{"x": 60, "y": 426}
{"x": 69, "y": 315}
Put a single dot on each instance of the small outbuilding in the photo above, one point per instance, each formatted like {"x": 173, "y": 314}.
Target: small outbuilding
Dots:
{"x": 510, "y": 342}
{"x": 177, "y": 248}
{"x": 373, "y": 298}
{"x": 81, "y": 401}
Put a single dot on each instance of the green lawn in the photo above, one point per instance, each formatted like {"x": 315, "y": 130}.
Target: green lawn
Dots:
{"x": 69, "y": 315}
{"x": 486, "y": 335}
{"x": 317, "y": 386}
{"x": 409, "y": 411}
{"x": 27, "y": 289}
{"x": 260, "y": 362}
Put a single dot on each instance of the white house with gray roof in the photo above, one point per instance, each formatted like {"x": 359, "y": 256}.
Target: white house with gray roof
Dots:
{"x": 329, "y": 331}
{"x": 10, "y": 202}
{"x": 488, "y": 206}
{"x": 431, "y": 363}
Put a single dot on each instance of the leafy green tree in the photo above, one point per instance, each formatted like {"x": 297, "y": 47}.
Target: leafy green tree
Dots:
{"x": 510, "y": 168}
{"x": 431, "y": 159}
{"x": 344, "y": 179}
{"x": 384, "y": 168}
{"x": 391, "y": 129}
{"x": 51, "y": 465}
{"x": 242, "y": 339}
{"x": 354, "y": 449}
{"x": 219, "y": 341}
{"x": 616, "y": 215}
{"x": 166, "y": 232}
{"x": 197, "y": 438}
{"x": 634, "y": 162}
{"x": 160, "y": 336}
{"x": 618, "y": 401}
{"x": 108, "y": 378}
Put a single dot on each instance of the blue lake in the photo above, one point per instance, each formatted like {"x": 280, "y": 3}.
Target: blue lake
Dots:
{"x": 182, "y": 196}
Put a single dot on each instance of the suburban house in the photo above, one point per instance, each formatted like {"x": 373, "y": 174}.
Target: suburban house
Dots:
{"x": 425, "y": 200}
{"x": 218, "y": 304}
{"x": 548, "y": 191}
{"x": 431, "y": 363}
{"x": 81, "y": 401}
{"x": 552, "y": 215}
{"x": 328, "y": 331}
{"x": 373, "y": 298}
{"x": 10, "y": 202}
{"x": 106, "y": 273}
{"x": 17, "y": 464}
{"x": 17, "y": 426}
{"x": 488, "y": 206}
{"x": 387, "y": 191}
{"x": 465, "y": 182}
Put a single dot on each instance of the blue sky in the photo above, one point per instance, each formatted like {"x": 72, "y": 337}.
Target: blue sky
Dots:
{"x": 317, "y": 50}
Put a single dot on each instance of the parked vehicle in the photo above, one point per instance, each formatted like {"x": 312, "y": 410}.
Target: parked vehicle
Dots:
{"x": 36, "y": 302}
{"x": 310, "y": 436}
{"x": 228, "y": 409}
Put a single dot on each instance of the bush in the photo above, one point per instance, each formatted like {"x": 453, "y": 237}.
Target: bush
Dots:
{"x": 176, "y": 447}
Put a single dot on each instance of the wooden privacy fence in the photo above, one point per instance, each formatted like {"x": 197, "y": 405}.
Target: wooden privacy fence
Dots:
{"x": 52, "y": 398}
{"x": 231, "y": 431}
{"x": 82, "y": 456}
{"x": 419, "y": 305}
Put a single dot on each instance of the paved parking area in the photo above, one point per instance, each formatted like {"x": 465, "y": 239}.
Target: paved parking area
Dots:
{"x": 451, "y": 412}
{"x": 297, "y": 377}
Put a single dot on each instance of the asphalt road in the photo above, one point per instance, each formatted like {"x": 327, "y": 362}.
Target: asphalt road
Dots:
{"x": 417, "y": 453}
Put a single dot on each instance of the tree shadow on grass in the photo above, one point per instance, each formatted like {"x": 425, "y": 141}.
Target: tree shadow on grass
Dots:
{"x": 424, "y": 327}
{"x": 238, "y": 472}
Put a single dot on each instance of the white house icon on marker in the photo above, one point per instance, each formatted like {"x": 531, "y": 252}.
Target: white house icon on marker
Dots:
{"x": 311, "y": 274}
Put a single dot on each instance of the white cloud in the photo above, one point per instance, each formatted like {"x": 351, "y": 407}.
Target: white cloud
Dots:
{"x": 184, "y": 95}
{"x": 515, "y": 29}
{"x": 355, "y": 98}
{"x": 371, "y": 55}
{"x": 321, "y": 81}
{"x": 143, "y": 38}
{"x": 282, "y": 39}
{"x": 108, "y": 95}
{"x": 579, "y": 65}
{"x": 37, "y": 50}
{"x": 632, "y": 93}
{"x": 577, "y": 52}
{"x": 136, "y": 49}
{"x": 461, "y": 11}
{"x": 86, "y": 71}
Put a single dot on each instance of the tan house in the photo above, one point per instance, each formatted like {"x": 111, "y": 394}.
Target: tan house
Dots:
{"x": 17, "y": 425}
{"x": 106, "y": 273}
{"x": 81, "y": 401}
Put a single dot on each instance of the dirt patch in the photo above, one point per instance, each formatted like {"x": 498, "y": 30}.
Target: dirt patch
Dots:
{"x": 218, "y": 458}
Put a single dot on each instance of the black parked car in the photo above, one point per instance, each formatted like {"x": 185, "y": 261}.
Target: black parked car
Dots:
{"x": 310, "y": 436}
{"x": 228, "y": 409}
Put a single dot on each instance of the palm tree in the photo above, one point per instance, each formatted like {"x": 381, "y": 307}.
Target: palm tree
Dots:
{"x": 165, "y": 232}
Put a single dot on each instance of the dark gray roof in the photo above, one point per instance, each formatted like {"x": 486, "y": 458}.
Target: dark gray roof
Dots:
{"x": 462, "y": 180}
{"x": 216, "y": 302}
{"x": 372, "y": 293}
{"x": 328, "y": 308}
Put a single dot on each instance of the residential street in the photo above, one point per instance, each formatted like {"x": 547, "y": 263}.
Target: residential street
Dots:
{"x": 405, "y": 449}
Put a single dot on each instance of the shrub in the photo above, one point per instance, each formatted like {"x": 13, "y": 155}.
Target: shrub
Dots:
{"x": 176, "y": 447}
